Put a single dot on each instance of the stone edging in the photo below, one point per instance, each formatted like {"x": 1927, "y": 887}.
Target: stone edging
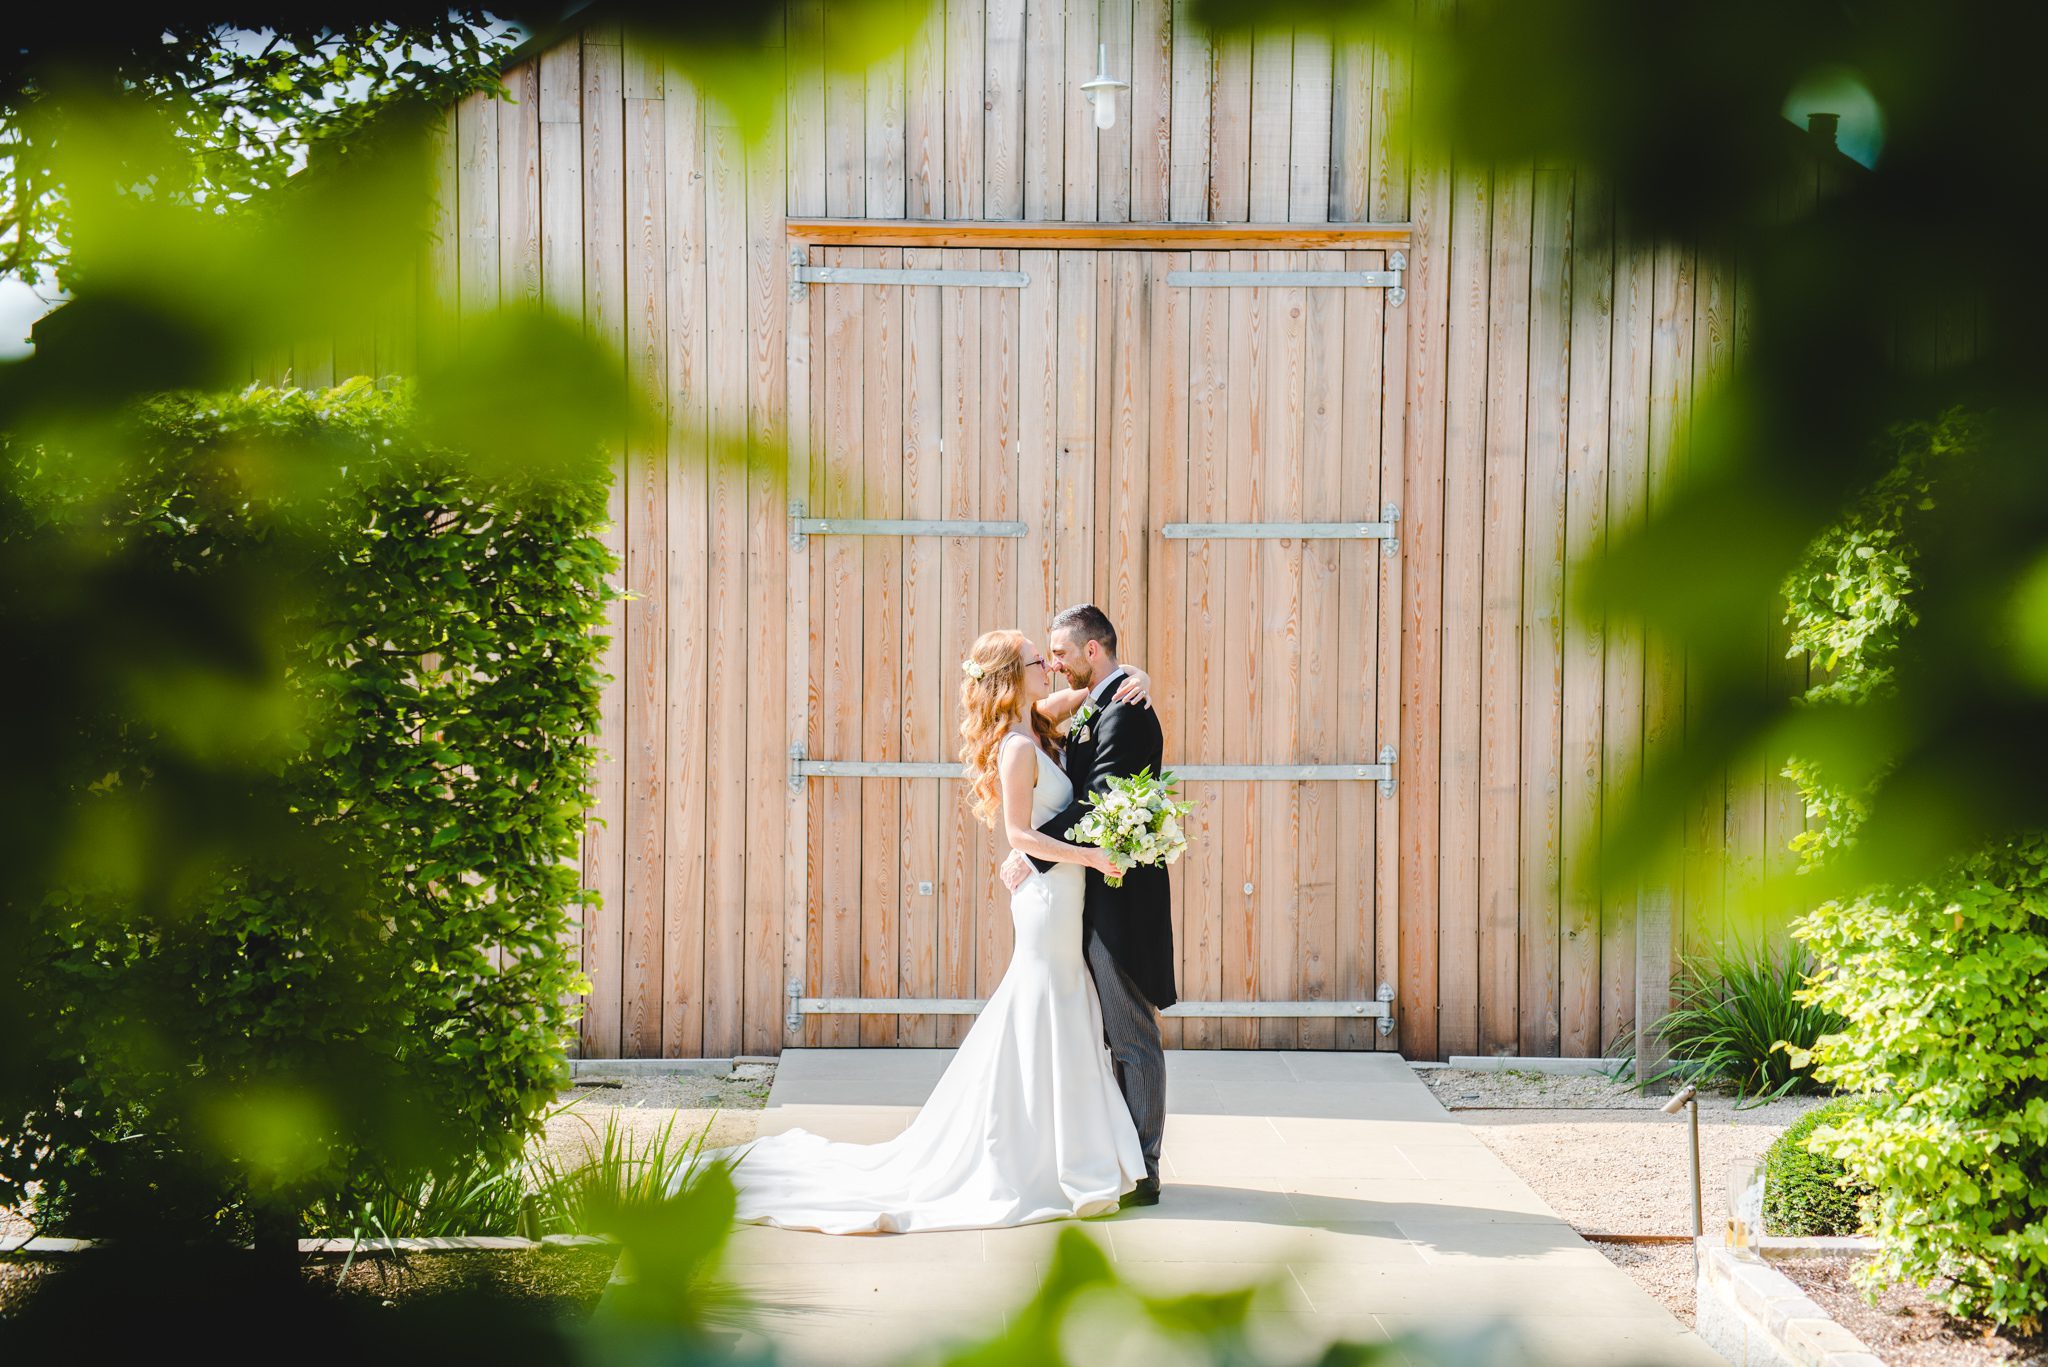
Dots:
{"x": 49, "y": 1246}
{"x": 1755, "y": 1316}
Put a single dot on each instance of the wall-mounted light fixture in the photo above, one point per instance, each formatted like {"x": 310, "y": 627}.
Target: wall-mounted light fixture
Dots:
{"x": 1101, "y": 91}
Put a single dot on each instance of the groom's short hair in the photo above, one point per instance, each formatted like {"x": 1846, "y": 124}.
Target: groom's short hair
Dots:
{"x": 1089, "y": 623}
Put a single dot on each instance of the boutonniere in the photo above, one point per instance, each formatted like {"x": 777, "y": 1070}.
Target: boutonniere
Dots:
{"x": 1077, "y": 730}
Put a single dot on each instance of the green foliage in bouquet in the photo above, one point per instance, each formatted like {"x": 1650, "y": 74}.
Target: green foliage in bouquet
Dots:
{"x": 392, "y": 712}
{"x": 1139, "y": 821}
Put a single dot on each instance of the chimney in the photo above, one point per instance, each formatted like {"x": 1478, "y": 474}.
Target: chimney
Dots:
{"x": 1822, "y": 126}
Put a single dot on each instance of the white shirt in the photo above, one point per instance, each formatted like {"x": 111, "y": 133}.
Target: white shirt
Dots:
{"x": 1095, "y": 694}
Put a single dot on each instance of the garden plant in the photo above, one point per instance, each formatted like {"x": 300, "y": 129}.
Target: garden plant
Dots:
{"x": 1807, "y": 1193}
{"x": 1938, "y": 981}
{"x": 383, "y": 988}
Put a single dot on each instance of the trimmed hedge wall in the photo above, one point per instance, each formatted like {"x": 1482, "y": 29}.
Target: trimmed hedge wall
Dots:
{"x": 384, "y": 654}
{"x": 1806, "y": 1193}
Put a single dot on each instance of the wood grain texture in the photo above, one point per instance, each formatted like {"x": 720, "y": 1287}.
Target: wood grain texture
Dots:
{"x": 1040, "y": 75}
{"x": 1543, "y": 551}
{"x": 1500, "y": 653}
{"x": 478, "y": 237}
{"x": 880, "y": 731}
{"x": 963, "y": 840}
{"x": 1081, "y": 163}
{"x": 1389, "y": 689}
{"x": 1422, "y": 612}
{"x": 1628, "y": 469}
{"x": 1006, "y": 137}
{"x": 1152, "y": 112}
{"x": 519, "y": 280}
{"x": 603, "y": 269}
{"x": 729, "y": 638}
{"x": 1188, "y": 155}
{"x": 925, "y": 727}
{"x": 1309, "y": 135}
{"x": 965, "y": 69}
{"x": 686, "y": 576}
{"x": 1322, "y": 736}
{"x": 1584, "y": 663}
{"x": 767, "y": 578}
{"x": 1272, "y": 124}
{"x": 1230, "y": 132}
{"x": 1203, "y": 890}
{"x": 1459, "y": 847}
{"x": 924, "y": 114}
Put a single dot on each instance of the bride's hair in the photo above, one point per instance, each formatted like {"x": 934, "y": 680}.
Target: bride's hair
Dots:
{"x": 989, "y": 705}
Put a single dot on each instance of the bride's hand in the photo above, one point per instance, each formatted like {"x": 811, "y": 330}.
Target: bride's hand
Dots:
{"x": 1136, "y": 687}
{"x": 1100, "y": 861}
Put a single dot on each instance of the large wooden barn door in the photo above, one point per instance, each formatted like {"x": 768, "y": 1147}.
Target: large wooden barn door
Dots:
{"x": 986, "y": 435}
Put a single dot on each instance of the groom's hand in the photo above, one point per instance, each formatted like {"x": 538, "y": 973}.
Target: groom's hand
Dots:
{"x": 1015, "y": 870}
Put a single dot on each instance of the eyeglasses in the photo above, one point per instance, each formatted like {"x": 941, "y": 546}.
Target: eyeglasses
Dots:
{"x": 1040, "y": 662}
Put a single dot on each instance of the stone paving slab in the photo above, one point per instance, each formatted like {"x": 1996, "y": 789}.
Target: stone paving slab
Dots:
{"x": 1336, "y": 1180}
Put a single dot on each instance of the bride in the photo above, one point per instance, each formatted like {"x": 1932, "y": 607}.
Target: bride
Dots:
{"x": 1027, "y": 1123}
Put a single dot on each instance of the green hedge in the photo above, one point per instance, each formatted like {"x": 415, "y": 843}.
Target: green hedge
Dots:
{"x": 1808, "y": 1193}
{"x": 385, "y": 651}
{"x": 1943, "y": 985}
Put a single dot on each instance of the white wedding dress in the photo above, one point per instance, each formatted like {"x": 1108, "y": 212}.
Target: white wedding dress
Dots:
{"x": 1027, "y": 1123}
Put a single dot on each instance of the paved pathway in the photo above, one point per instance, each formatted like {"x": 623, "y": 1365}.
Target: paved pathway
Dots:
{"x": 1338, "y": 1176}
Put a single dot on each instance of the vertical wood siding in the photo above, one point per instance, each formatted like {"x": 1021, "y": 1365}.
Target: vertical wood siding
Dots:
{"x": 1537, "y": 405}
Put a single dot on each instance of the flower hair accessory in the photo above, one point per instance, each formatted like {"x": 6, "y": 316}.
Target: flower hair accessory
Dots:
{"x": 971, "y": 669}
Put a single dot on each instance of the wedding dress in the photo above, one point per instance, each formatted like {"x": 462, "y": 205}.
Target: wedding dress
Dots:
{"x": 1027, "y": 1123}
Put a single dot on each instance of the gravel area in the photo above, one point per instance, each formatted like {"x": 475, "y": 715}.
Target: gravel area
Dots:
{"x": 1904, "y": 1327}
{"x": 1605, "y": 1158}
{"x": 727, "y": 1105}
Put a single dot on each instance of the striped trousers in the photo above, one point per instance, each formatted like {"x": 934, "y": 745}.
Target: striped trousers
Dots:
{"x": 1131, "y": 1028}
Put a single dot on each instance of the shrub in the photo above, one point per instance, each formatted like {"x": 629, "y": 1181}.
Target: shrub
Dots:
{"x": 1806, "y": 1192}
{"x": 1733, "y": 1008}
{"x": 1947, "y": 1029}
{"x": 384, "y": 663}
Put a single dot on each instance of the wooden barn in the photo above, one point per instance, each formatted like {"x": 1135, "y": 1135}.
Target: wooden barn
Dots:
{"x": 1325, "y": 426}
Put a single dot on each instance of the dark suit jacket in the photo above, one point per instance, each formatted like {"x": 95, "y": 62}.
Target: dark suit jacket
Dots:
{"x": 1135, "y": 921}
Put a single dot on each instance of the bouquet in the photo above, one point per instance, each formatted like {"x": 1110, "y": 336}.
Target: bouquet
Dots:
{"x": 1138, "y": 821}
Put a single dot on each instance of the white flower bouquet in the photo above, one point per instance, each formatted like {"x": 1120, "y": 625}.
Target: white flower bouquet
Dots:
{"x": 1138, "y": 821}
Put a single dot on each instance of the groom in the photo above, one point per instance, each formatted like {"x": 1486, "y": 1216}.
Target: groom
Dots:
{"x": 1128, "y": 931}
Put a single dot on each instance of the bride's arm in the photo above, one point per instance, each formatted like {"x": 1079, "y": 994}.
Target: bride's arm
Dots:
{"x": 1062, "y": 703}
{"x": 1017, "y": 775}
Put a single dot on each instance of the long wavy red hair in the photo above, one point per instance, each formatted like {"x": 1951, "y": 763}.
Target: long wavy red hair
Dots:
{"x": 988, "y": 709}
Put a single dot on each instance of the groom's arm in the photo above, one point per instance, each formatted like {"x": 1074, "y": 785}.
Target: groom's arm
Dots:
{"x": 1127, "y": 739}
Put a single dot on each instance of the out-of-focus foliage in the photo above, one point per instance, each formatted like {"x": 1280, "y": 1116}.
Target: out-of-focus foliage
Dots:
{"x": 1849, "y": 605}
{"x": 1735, "y": 1008}
{"x": 380, "y": 660}
{"x": 1809, "y": 1194}
{"x": 1941, "y": 984}
{"x": 244, "y": 106}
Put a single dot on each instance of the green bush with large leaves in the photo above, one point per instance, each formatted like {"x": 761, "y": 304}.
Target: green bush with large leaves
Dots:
{"x": 1940, "y": 982}
{"x": 374, "y": 981}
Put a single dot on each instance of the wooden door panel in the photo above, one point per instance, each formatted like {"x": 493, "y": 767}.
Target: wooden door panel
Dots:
{"x": 1096, "y": 405}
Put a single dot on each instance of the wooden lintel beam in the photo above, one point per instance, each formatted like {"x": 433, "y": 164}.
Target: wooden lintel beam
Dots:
{"x": 873, "y": 232}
